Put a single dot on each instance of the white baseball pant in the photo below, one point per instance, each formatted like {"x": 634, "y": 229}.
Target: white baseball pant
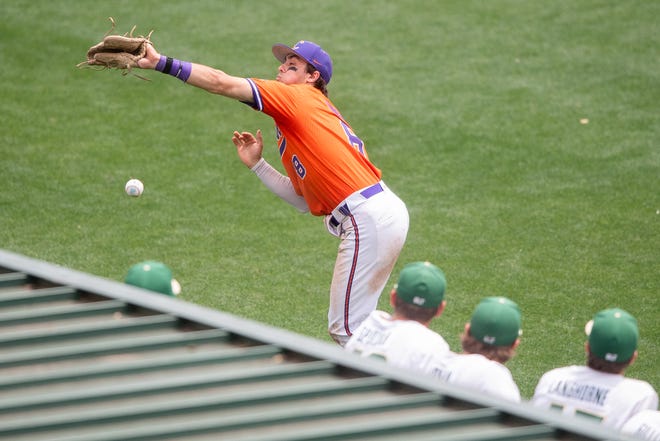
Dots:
{"x": 372, "y": 225}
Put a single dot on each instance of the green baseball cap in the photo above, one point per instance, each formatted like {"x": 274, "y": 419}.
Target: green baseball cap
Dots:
{"x": 422, "y": 284}
{"x": 613, "y": 335}
{"x": 154, "y": 276}
{"x": 496, "y": 321}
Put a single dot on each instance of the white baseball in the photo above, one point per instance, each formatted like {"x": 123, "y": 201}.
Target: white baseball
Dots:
{"x": 134, "y": 187}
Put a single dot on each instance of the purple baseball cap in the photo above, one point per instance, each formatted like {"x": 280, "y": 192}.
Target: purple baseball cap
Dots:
{"x": 310, "y": 52}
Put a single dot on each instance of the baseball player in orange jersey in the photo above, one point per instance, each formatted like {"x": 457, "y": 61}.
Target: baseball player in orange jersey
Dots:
{"x": 328, "y": 172}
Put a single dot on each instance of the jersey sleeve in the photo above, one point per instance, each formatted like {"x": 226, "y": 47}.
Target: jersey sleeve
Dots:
{"x": 279, "y": 184}
{"x": 274, "y": 98}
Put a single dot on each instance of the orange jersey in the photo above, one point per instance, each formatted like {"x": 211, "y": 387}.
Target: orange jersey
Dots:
{"x": 321, "y": 154}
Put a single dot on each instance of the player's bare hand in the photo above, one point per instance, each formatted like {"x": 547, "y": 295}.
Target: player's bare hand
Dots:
{"x": 150, "y": 59}
{"x": 249, "y": 147}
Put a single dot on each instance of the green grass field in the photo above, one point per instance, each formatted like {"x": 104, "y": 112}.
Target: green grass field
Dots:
{"x": 472, "y": 109}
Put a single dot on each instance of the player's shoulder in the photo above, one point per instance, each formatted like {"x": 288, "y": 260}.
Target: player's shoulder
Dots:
{"x": 560, "y": 374}
{"x": 412, "y": 332}
{"x": 460, "y": 359}
{"x": 378, "y": 323}
{"x": 415, "y": 328}
{"x": 639, "y": 386}
{"x": 481, "y": 373}
{"x": 293, "y": 89}
{"x": 376, "y": 320}
{"x": 478, "y": 362}
{"x": 564, "y": 371}
{"x": 381, "y": 316}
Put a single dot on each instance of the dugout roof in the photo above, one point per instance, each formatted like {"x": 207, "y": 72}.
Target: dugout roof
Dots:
{"x": 87, "y": 358}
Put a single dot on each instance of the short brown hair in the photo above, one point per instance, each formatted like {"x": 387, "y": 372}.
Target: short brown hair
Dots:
{"x": 609, "y": 367}
{"x": 414, "y": 312}
{"x": 501, "y": 354}
{"x": 320, "y": 83}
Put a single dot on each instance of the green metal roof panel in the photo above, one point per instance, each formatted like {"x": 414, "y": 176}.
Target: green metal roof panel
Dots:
{"x": 12, "y": 278}
{"x": 86, "y": 358}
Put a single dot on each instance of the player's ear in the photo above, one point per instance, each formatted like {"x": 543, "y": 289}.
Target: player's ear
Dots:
{"x": 441, "y": 308}
{"x": 393, "y": 297}
{"x": 515, "y": 343}
{"x": 633, "y": 358}
{"x": 314, "y": 76}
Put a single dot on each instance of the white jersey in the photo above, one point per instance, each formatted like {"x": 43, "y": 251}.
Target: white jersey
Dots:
{"x": 579, "y": 390}
{"x": 644, "y": 425}
{"x": 476, "y": 372}
{"x": 402, "y": 343}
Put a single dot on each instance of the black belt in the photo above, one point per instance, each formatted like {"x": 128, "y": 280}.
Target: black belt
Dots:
{"x": 366, "y": 193}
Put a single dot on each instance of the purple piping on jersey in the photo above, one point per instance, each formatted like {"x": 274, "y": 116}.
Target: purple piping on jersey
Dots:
{"x": 282, "y": 147}
{"x": 256, "y": 97}
{"x": 349, "y": 286}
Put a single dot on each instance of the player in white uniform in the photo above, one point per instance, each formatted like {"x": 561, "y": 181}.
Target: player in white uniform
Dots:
{"x": 403, "y": 338}
{"x": 489, "y": 340}
{"x": 644, "y": 425}
{"x": 599, "y": 390}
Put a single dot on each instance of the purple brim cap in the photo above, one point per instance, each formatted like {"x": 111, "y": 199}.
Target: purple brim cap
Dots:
{"x": 310, "y": 52}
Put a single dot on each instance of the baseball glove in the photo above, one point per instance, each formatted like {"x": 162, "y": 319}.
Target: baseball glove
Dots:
{"x": 117, "y": 51}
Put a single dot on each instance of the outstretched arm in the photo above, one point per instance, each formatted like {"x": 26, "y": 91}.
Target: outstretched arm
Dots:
{"x": 205, "y": 77}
